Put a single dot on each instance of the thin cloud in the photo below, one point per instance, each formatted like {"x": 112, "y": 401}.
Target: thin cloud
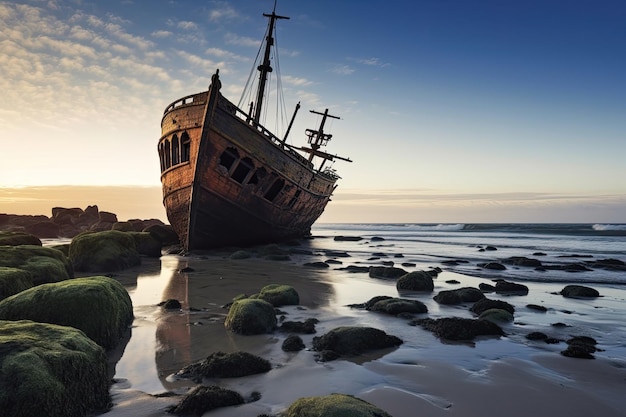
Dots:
{"x": 223, "y": 12}
{"x": 371, "y": 62}
{"x": 233, "y": 39}
{"x": 296, "y": 81}
{"x": 342, "y": 70}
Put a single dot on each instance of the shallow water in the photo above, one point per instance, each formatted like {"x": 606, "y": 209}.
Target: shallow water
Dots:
{"x": 163, "y": 342}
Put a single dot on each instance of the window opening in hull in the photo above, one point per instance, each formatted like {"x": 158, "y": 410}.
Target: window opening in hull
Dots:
{"x": 175, "y": 150}
{"x": 228, "y": 158}
{"x": 168, "y": 160}
{"x": 293, "y": 200}
{"x": 258, "y": 175}
{"x": 276, "y": 187}
{"x": 241, "y": 171}
{"x": 186, "y": 145}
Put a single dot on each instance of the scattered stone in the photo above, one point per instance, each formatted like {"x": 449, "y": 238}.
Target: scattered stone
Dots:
{"x": 396, "y": 306}
{"x": 226, "y": 365}
{"x": 456, "y": 328}
{"x": 293, "y": 343}
{"x": 536, "y": 307}
{"x": 523, "y": 261}
{"x": 486, "y": 304}
{"x": 579, "y": 291}
{"x": 347, "y": 238}
{"x": 99, "y": 306}
{"x": 536, "y": 336}
{"x": 385, "y": 272}
{"x": 486, "y": 287}
{"x": 492, "y": 265}
{"x": 337, "y": 254}
{"x": 416, "y": 281}
{"x": 333, "y": 261}
{"x": 453, "y": 281}
{"x": 355, "y": 269}
{"x": 350, "y": 341}
{"x": 333, "y": 405}
{"x": 581, "y": 347}
{"x": 510, "y": 288}
{"x": 251, "y": 316}
{"x": 490, "y": 248}
{"x": 377, "y": 239}
{"x": 171, "y": 304}
{"x": 559, "y": 324}
{"x": 51, "y": 370}
{"x": 201, "y": 399}
{"x": 459, "y": 296}
{"x": 408, "y": 264}
{"x": 304, "y": 327}
{"x": 318, "y": 264}
{"x": 496, "y": 315}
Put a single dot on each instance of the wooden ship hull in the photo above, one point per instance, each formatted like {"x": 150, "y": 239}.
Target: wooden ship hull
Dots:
{"x": 228, "y": 181}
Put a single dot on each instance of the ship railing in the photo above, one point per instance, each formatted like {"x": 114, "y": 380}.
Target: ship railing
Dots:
{"x": 191, "y": 99}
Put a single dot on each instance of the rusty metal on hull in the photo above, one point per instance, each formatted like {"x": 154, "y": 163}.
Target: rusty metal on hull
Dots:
{"x": 227, "y": 180}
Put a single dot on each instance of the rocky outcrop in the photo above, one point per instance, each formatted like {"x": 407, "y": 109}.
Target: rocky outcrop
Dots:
{"x": 333, "y": 405}
{"x": 251, "y": 316}
{"x": 50, "y": 370}
{"x": 99, "y": 306}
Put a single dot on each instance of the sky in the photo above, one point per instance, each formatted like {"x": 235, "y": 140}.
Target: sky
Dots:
{"x": 452, "y": 110}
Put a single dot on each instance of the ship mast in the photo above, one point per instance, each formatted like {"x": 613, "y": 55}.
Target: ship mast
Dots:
{"x": 265, "y": 68}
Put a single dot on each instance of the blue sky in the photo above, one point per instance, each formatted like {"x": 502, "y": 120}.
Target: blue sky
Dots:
{"x": 453, "y": 111}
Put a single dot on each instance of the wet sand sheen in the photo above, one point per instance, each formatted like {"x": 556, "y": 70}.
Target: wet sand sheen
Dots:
{"x": 422, "y": 377}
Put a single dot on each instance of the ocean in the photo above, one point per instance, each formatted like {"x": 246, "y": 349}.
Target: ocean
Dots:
{"x": 553, "y": 244}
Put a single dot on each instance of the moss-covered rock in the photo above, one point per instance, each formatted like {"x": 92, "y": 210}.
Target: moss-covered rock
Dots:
{"x": 18, "y": 238}
{"x": 416, "y": 281}
{"x": 333, "y": 405}
{"x": 386, "y": 272}
{"x": 13, "y": 280}
{"x": 486, "y": 304}
{"x": 146, "y": 244}
{"x": 279, "y": 295}
{"x": 457, "y": 328}
{"x": 459, "y": 296}
{"x": 45, "y": 264}
{"x": 107, "y": 251}
{"x": 226, "y": 365}
{"x": 201, "y": 399}
{"x": 496, "y": 315}
{"x": 50, "y": 370}
{"x": 251, "y": 316}
{"x": 350, "y": 341}
{"x": 163, "y": 233}
{"x": 397, "y": 306}
{"x": 99, "y": 306}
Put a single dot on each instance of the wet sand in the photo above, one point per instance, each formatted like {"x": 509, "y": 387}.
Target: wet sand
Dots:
{"x": 492, "y": 376}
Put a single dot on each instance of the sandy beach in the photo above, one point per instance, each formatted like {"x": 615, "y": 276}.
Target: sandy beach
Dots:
{"x": 424, "y": 376}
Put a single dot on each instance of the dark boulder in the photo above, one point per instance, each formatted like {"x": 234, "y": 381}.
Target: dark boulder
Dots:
{"x": 416, "y": 281}
{"x": 486, "y": 304}
{"x": 510, "y": 288}
{"x": 579, "y": 291}
{"x": 386, "y": 272}
{"x": 396, "y": 306}
{"x": 459, "y": 296}
{"x": 456, "y": 328}
{"x": 496, "y": 315}
{"x": 105, "y": 251}
{"x": 146, "y": 244}
{"x": 293, "y": 343}
{"x": 163, "y": 233}
{"x": 201, "y": 399}
{"x": 304, "y": 327}
{"x": 350, "y": 341}
{"x": 46, "y": 229}
{"x": 492, "y": 265}
{"x": 18, "y": 238}
{"x": 226, "y": 365}
{"x": 523, "y": 261}
{"x": 582, "y": 347}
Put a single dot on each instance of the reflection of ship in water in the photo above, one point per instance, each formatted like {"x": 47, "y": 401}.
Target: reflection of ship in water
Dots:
{"x": 165, "y": 341}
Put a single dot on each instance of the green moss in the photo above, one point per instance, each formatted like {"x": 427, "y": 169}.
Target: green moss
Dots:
{"x": 279, "y": 295}
{"x": 146, "y": 244}
{"x": 45, "y": 264}
{"x": 50, "y": 370}
{"x": 107, "y": 251}
{"x": 251, "y": 316}
{"x": 65, "y": 248}
{"x": 13, "y": 280}
{"x": 99, "y": 306}
{"x": 333, "y": 405}
{"x": 496, "y": 315}
{"x": 18, "y": 238}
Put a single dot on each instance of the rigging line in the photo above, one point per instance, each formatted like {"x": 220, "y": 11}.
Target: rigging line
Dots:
{"x": 249, "y": 87}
